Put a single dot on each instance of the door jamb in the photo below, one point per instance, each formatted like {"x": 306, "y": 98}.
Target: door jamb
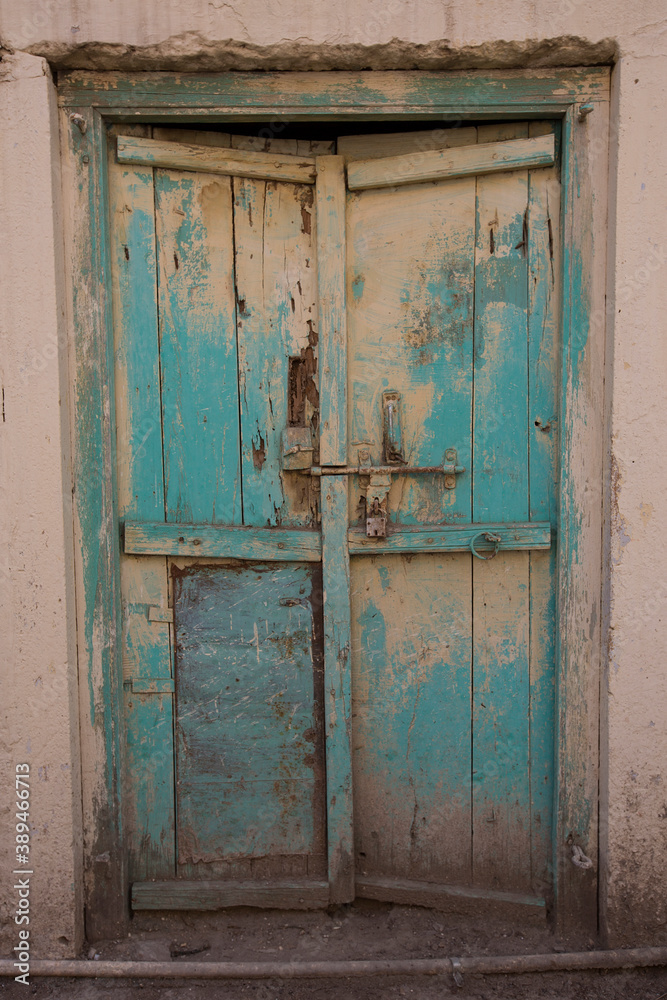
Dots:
{"x": 88, "y": 101}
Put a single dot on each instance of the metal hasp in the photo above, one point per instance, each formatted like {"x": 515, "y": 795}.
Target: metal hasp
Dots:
{"x": 391, "y": 427}
{"x": 377, "y": 493}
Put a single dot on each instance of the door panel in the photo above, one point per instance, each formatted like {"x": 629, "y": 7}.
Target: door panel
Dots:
{"x": 451, "y": 291}
{"x": 225, "y": 359}
{"x": 276, "y": 287}
{"x": 250, "y": 759}
{"x": 410, "y": 328}
{"x": 198, "y": 362}
{"x": 411, "y": 685}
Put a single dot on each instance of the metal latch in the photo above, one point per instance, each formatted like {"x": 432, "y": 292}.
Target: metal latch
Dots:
{"x": 297, "y": 454}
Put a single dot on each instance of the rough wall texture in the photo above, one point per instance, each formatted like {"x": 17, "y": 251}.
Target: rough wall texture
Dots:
{"x": 39, "y": 721}
{"x": 435, "y": 34}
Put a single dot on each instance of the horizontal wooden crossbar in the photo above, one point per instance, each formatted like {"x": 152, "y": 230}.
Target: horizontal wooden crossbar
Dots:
{"x": 194, "y": 894}
{"x": 294, "y": 545}
{"x": 215, "y": 160}
{"x": 222, "y": 542}
{"x": 462, "y": 161}
{"x": 452, "y": 538}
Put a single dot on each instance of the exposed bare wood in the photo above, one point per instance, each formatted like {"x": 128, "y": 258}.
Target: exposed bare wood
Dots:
{"x": 433, "y": 165}
{"x": 206, "y": 895}
{"x": 222, "y": 542}
{"x": 212, "y": 160}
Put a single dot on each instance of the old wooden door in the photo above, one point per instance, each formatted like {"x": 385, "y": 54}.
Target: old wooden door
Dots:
{"x": 452, "y": 307}
{"x": 243, "y": 416}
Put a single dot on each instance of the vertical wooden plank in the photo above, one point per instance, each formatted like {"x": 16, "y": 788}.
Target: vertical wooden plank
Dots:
{"x": 148, "y": 785}
{"x": 411, "y": 666}
{"x": 500, "y": 749}
{"x": 410, "y": 278}
{"x": 500, "y": 456}
{"x": 198, "y": 348}
{"x": 543, "y": 434}
{"x": 96, "y": 528}
{"x": 276, "y": 288}
{"x": 337, "y": 687}
{"x": 583, "y": 448}
{"x": 330, "y": 213}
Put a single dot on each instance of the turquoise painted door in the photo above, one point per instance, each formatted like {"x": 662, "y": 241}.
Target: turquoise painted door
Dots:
{"x": 326, "y": 693}
{"x": 452, "y": 314}
{"x": 215, "y": 317}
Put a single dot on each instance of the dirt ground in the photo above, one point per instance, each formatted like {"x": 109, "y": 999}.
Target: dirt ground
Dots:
{"x": 364, "y": 930}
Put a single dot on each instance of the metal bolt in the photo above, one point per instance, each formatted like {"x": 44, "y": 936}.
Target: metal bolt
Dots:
{"x": 79, "y": 121}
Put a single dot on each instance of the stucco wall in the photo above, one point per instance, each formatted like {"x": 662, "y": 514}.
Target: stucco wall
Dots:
{"x": 283, "y": 34}
{"x": 38, "y": 709}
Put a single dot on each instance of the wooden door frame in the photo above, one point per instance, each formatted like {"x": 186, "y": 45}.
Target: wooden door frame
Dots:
{"x": 580, "y": 98}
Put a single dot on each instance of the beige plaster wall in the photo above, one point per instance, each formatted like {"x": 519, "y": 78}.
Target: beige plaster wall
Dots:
{"x": 214, "y": 35}
{"x": 38, "y": 711}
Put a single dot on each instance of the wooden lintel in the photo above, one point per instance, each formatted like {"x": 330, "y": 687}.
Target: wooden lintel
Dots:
{"x": 452, "y": 538}
{"x": 214, "y": 160}
{"x": 222, "y": 542}
{"x": 194, "y": 894}
{"x": 463, "y": 161}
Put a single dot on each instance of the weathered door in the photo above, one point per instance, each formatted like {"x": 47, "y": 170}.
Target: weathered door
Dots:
{"x": 452, "y": 307}
{"x": 215, "y": 298}
{"x": 246, "y": 758}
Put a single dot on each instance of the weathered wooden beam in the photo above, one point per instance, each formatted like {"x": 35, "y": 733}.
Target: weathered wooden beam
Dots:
{"x": 212, "y": 160}
{"x": 433, "y": 895}
{"x": 222, "y": 542}
{"x": 464, "y": 161}
{"x": 337, "y": 688}
{"x": 330, "y": 202}
{"x": 198, "y": 894}
{"x": 338, "y": 94}
{"x": 452, "y": 538}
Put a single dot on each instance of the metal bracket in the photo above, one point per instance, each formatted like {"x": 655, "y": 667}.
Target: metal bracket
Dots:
{"x": 297, "y": 449}
{"x": 451, "y": 469}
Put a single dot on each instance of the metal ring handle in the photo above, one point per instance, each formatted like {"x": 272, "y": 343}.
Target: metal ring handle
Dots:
{"x": 496, "y": 539}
